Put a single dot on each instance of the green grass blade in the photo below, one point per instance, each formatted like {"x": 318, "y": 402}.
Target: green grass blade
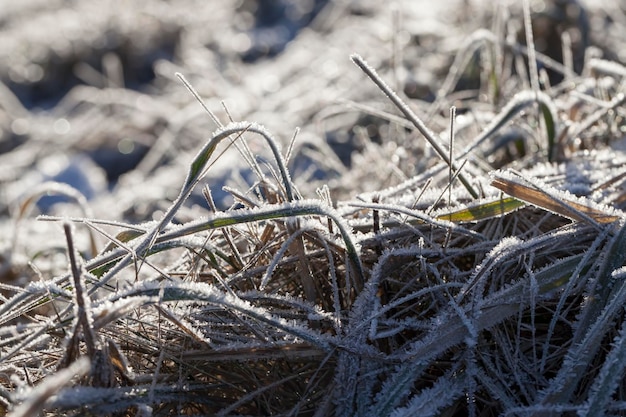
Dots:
{"x": 549, "y": 113}
{"x": 197, "y": 167}
{"x": 483, "y": 211}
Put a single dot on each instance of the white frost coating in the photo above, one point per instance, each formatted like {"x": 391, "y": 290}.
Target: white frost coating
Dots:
{"x": 239, "y": 126}
{"x": 36, "y": 287}
{"x": 77, "y": 396}
{"x": 430, "y": 401}
{"x": 619, "y": 273}
{"x": 107, "y": 311}
{"x": 606, "y": 67}
{"x": 42, "y": 287}
{"x": 506, "y": 244}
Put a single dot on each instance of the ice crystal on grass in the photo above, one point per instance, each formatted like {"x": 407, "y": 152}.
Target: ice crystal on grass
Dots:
{"x": 431, "y": 401}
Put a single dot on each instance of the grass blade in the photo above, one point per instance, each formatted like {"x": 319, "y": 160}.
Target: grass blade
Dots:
{"x": 483, "y": 211}
{"x": 539, "y": 197}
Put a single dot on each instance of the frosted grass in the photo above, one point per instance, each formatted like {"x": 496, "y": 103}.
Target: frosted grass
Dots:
{"x": 385, "y": 288}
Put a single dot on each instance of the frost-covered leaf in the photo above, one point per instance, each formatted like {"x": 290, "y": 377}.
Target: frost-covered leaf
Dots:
{"x": 431, "y": 401}
{"x": 555, "y": 201}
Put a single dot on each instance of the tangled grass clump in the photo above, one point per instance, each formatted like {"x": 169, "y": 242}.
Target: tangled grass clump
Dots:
{"x": 489, "y": 281}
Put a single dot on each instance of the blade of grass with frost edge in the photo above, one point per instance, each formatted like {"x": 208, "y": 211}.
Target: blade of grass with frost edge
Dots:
{"x": 347, "y": 368}
{"x": 579, "y": 357}
{"x": 396, "y": 389}
{"x": 431, "y": 401}
{"x": 409, "y": 114}
{"x": 582, "y": 274}
{"x": 197, "y": 166}
{"x": 540, "y": 198}
{"x": 496, "y": 308}
{"x": 515, "y": 106}
{"x": 50, "y": 188}
{"x": 508, "y": 249}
